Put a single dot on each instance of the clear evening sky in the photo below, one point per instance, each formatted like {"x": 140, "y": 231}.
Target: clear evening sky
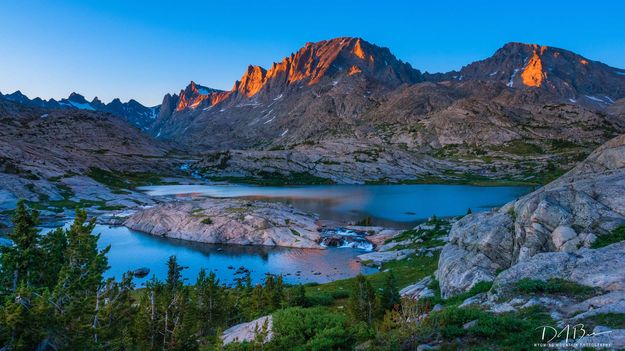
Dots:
{"x": 144, "y": 49}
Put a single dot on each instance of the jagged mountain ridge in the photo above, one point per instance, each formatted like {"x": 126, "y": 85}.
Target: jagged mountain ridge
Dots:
{"x": 322, "y": 64}
{"x": 132, "y": 111}
{"x": 348, "y": 87}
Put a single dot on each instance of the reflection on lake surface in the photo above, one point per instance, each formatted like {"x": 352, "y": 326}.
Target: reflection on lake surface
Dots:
{"x": 392, "y": 205}
{"x": 131, "y": 250}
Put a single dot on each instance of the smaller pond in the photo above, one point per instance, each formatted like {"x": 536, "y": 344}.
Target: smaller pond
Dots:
{"x": 131, "y": 250}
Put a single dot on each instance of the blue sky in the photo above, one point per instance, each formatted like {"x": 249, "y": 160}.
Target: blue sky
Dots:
{"x": 144, "y": 49}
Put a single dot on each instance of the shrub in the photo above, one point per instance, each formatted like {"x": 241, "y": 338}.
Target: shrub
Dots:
{"x": 478, "y": 288}
{"x": 615, "y": 236}
{"x": 310, "y": 329}
{"x": 555, "y": 286}
{"x": 207, "y": 220}
{"x": 320, "y": 299}
{"x": 365, "y": 222}
{"x": 508, "y": 331}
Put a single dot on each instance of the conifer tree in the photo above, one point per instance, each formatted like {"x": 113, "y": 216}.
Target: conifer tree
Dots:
{"x": 297, "y": 296}
{"x": 78, "y": 290}
{"x": 25, "y": 320}
{"x": 210, "y": 302}
{"x": 54, "y": 254}
{"x": 20, "y": 262}
{"x": 363, "y": 302}
{"x": 116, "y": 313}
{"x": 390, "y": 293}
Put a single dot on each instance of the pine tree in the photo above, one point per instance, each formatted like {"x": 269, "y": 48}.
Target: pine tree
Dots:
{"x": 174, "y": 311}
{"x": 363, "y": 302}
{"x": 390, "y": 293}
{"x": 257, "y": 305}
{"x": 117, "y": 314}
{"x": 148, "y": 319}
{"x": 297, "y": 296}
{"x": 210, "y": 303}
{"x": 174, "y": 274}
{"x": 25, "y": 319}
{"x": 21, "y": 261}
{"x": 54, "y": 254}
{"x": 277, "y": 295}
{"x": 77, "y": 294}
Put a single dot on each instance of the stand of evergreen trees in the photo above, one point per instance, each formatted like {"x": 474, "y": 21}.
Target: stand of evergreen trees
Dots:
{"x": 54, "y": 297}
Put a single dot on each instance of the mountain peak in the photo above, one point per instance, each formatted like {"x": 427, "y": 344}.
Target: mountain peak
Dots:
{"x": 75, "y": 97}
{"x": 251, "y": 82}
{"x": 327, "y": 59}
{"x": 560, "y": 72}
{"x": 195, "y": 94}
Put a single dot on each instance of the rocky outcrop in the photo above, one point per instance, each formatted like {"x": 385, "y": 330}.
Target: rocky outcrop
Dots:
{"x": 249, "y": 331}
{"x": 377, "y": 258}
{"x": 419, "y": 290}
{"x": 342, "y": 161}
{"x": 541, "y": 234}
{"x": 229, "y": 221}
{"x": 598, "y": 268}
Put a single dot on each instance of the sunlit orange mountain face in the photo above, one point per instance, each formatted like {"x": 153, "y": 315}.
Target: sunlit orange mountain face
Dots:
{"x": 345, "y": 84}
{"x": 348, "y": 87}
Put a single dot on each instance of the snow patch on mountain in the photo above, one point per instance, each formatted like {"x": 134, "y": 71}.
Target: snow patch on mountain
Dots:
{"x": 594, "y": 98}
{"x": 511, "y": 81}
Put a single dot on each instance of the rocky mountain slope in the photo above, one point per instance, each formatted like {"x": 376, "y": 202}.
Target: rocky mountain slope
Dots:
{"x": 315, "y": 91}
{"x": 44, "y": 153}
{"x": 349, "y": 93}
{"x": 132, "y": 111}
{"x": 561, "y": 73}
{"x": 350, "y": 111}
{"x": 548, "y": 233}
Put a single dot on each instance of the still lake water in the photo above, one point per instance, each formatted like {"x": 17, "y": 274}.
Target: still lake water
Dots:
{"x": 398, "y": 206}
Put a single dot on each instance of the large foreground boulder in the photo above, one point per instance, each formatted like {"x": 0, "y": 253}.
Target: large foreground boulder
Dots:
{"x": 258, "y": 328}
{"x": 562, "y": 217}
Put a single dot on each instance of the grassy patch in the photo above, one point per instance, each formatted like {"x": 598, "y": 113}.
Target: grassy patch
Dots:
{"x": 58, "y": 206}
{"x": 610, "y": 320}
{"x": 424, "y": 237}
{"x": 123, "y": 180}
{"x": 506, "y": 331}
{"x": 207, "y": 221}
{"x": 478, "y": 288}
{"x": 407, "y": 271}
{"x": 556, "y": 286}
{"x": 295, "y": 232}
{"x": 111, "y": 207}
{"x": 615, "y": 236}
{"x": 275, "y": 179}
{"x": 519, "y": 147}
